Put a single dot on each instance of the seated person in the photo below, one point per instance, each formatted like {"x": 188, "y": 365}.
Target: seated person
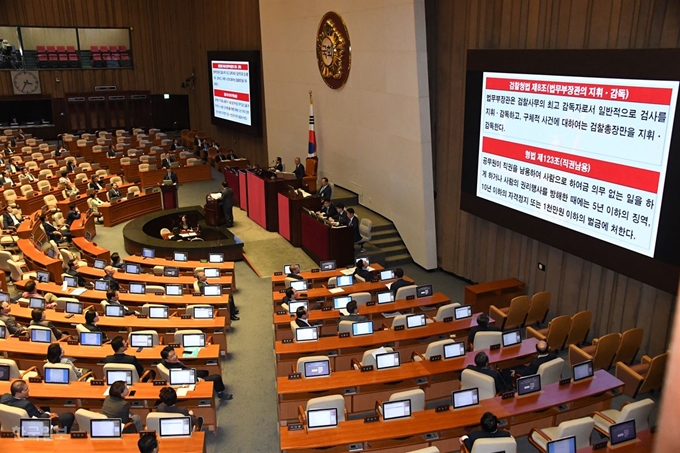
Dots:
{"x": 328, "y": 210}
{"x": 291, "y": 295}
{"x": 353, "y": 313}
{"x": 202, "y": 280}
{"x": 18, "y": 397}
{"x": 295, "y": 272}
{"x": 166, "y": 161}
{"x": 115, "y": 406}
{"x": 114, "y": 192}
{"x": 63, "y": 180}
{"x": 502, "y": 379}
{"x": 119, "y": 346}
{"x": 116, "y": 261}
{"x": 544, "y": 356}
{"x": 13, "y": 327}
{"x": 111, "y": 152}
{"x": 71, "y": 165}
{"x": 221, "y": 156}
{"x": 27, "y": 174}
{"x": 94, "y": 202}
{"x": 11, "y": 219}
{"x": 482, "y": 326}
{"x": 399, "y": 282}
{"x": 489, "y": 424}
{"x": 70, "y": 189}
{"x": 301, "y": 316}
{"x": 6, "y": 178}
{"x": 231, "y": 155}
{"x": 31, "y": 290}
{"x": 59, "y": 151}
{"x": 95, "y": 183}
{"x": 148, "y": 443}
{"x": 168, "y": 397}
{"x": 91, "y": 320}
{"x": 170, "y": 360}
{"x": 113, "y": 283}
{"x": 112, "y": 297}
{"x": 55, "y": 354}
{"x": 175, "y": 235}
{"x": 38, "y": 319}
{"x": 362, "y": 272}
{"x": 73, "y": 214}
{"x": 342, "y": 218}
{"x": 51, "y": 230}
{"x": 184, "y": 223}
{"x": 73, "y": 271}
{"x": 278, "y": 166}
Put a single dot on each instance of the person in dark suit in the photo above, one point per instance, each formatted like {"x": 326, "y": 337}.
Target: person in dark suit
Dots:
{"x": 544, "y": 356}
{"x": 73, "y": 214}
{"x": 70, "y": 166}
{"x": 291, "y": 295}
{"x": 73, "y": 271}
{"x": 91, "y": 320}
{"x": 231, "y": 155}
{"x": 166, "y": 161}
{"x": 170, "y": 360}
{"x": 6, "y": 178}
{"x": 18, "y": 397}
{"x": 113, "y": 298}
{"x": 12, "y": 167}
{"x": 114, "y": 192}
{"x": 295, "y": 272}
{"x": 501, "y": 379}
{"x": 299, "y": 169}
{"x": 148, "y": 443}
{"x": 400, "y": 282}
{"x": 38, "y": 319}
{"x": 361, "y": 271}
{"x": 353, "y": 313}
{"x": 13, "y": 327}
{"x": 111, "y": 153}
{"x": 325, "y": 191}
{"x": 170, "y": 176}
{"x": 227, "y": 202}
{"x": 27, "y": 174}
{"x": 116, "y": 262}
{"x": 278, "y": 166}
{"x": 95, "y": 183}
{"x": 220, "y": 156}
{"x": 301, "y": 316}
{"x": 119, "y": 346}
{"x": 108, "y": 276}
{"x": 115, "y": 405}
{"x": 482, "y": 326}
{"x": 329, "y": 210}
{"x": 489, "y": 424}
{"x": 176, "y": 235}
{"x": 353, "y": 222}
{"x": 10, "y": 219}
{"x": 342, "y": 218}
{"x": 168, "y": 397}
{"x": 59, "y": 151}
{"x": 175, "y": 144}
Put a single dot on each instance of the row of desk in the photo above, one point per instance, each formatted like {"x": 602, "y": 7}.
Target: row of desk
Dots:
{"x": 127, "y": 444}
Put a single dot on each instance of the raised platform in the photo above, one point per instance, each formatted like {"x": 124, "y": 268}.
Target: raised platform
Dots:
{"x": 144, "y": 232}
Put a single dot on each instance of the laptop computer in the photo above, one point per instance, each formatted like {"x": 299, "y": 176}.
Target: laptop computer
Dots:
{"x": 35, "y": 428}
{"x": 106, "y": 428}
{"x": 511, "y": 338}
{"x": 91, "y": 338}
{"x": 393, "y": 410}
{"x": 622, "y": 433}
{"x": 306, "y": 334}
{"x": 322, "y": 418}
{"x": 317, "y": 368}
{"x": 583, "y": 370}
{"x": 565, "y": 445}
{"x": 119, "y": 375}
{"x": 454, "y": 350}
{"x": 203, "y": 312}
{"x": 174, "y": 427}
{"x": 385, "y": 297}
{"x": 387, "y": 360}
{"x": 56, "y": 375}
{"x": 528, "y": 384}
{"x": 362, "y": 328}
{"x": 465, "y": 398}
{"x": 462, "y": 312}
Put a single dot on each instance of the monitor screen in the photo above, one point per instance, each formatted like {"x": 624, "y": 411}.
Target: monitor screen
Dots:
{"x": 51, "y": 252}
{"x": 175, "y": 427}
{"x": 88, "y": 235}
{"x": 180, "y": 256}
{"x": 131, "y": 268}
{"x": 582, "y": 370}
{"x": 99, "y": 264}
{"x": 322, "y": 418}
{"x": 193, "y": 340}
{"x": 137, "y": 288}
{"x": 299, "y": 285}
{"x": 362, "y": 328}
{"x": 55, "y": 375}
{"x": 71, "y": 282}
{"x": 35, "y": 427}
{"x": 173, "y": 290}
{"x": 339, "y": 303}
{"x": 119, "y": 375}
{"x": 286, "y": 268}
{"x": 317, "y": 368}
{"x": 565, "y": 445}
{"x": 415, "y": 320}
{"x": 212, "y": 272}
{"x": 306, "y": 334}
{"x": 465, "y": 398}
{"x": 622, "y": 432}
{"x": 141, "y": 340}
{"x": 293, "y": 305}
{"x": 74, "y": 307}
{"x": 216, "y": 258}
{"x": 182, "y": 376}
{"x": 203, "y": 312}
{"x": 41, "y": 335}
{"x": 171, "y": 272}
{"x": 387, "y": 275}
{"x": 36, "y": 302}
{"x": 424, "y": 291}
{"x": 212, "y": 290}
{"x": 462, "y": 312}
{"x": 116, "y": 311}
{"x": 511, "y": 338}
{"x": 101, "y": 285}
{"x": 327, "y": 265}
{"x": 106, "y": 428}
{"x": 528, "y": 384}
{"x": 43, "y": 276}
{"x": 4, "y": 372}
{"x": 385, "y": 297}
{"x": 91, "y": 338}
{"x": 4, "y": 297}
{"x": 453, "y": 350}
{"x": 387, "y": 360}
{"x": 344, "y": 280}
{"x": 148, "y": 253}
{"x": 158, "y": 312}
{"x": 3, "y": 332}
{"x": 392, "y": 410}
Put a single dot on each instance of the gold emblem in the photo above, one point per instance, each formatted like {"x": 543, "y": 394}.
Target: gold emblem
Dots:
{"x": 333, "y": 50}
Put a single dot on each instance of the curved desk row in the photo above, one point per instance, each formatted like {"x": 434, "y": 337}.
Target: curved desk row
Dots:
{"x": 318, "y": 279}
{"x": 90, "y": 273}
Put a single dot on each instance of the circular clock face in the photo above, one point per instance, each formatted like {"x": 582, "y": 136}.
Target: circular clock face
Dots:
{"x": 26, "y": 82}
{"x": 333, "y": 50}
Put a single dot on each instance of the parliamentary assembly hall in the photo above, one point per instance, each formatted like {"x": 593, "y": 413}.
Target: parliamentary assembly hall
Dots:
{"x": 409, "y": 226}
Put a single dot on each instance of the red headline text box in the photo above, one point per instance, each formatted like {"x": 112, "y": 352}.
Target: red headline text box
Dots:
{"x": 636, "y": 178}
{"x": 621, "y": 93}
{"x": 232, "y": 95}
{"x": 236, "y": 66}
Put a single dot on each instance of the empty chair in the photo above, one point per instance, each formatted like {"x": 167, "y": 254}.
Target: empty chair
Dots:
{"x": 581, "y": 428}
{"x": 50, "y": 201}
{"x": 11, "y": 416}
{"x": 153, "y": 419}
{"x": 416, "y": 398}
{"x": 153, "y": 333}
{"x": 551, "y": 371}
{"x": 446, "y": 311}
{"x": 555, "y": 334}
{"x": 484, "y": 340}
{"x": 151, "y": 289}
{"x": 132, "y": 191}
{"x": 433, "y": 349}
{"x": 368, "y": 358}
{"x": 638, "y": 411}
{"x": 580, "y": 326}
{"x": 180, "y": 333}
{"x": 326, "y": 402}
{"x": 361, "y": 298}
{"x": 300, "y": 366}
{"x": 513, "y": 316}
{"x": 16, "y": 373}
{"x": 345, "y": 326}
{"x": 365, "y": 227}
{"x": 631, "y": 340}
{"x": 5, "y": 257}
{"x": 601, "y": 352}
{"x": 405, "y": 291}
{"x": 19, "y": 272}
{"x": 10, "y": 196}
{"x": 431, "y": 449}
{"x": 116, "y": 180}
{"x": 126, "y": 367}
{"x": 26, "y": 188}
{"x": 44, "y": 186}
{"x": 84, "y": 416}
{"x": 471, "y": 379}
{"x": 646, "y": 377}
{"x": 158, "y": 270}
{"x": 143, "y": 167}
{"x": 497, "y": 445}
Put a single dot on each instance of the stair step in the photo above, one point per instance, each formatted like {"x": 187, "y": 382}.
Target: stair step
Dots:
{"x": 384, "y": 234}
{"x": 395, "y": 260}
{"x": 394, "y": 249}
{"x": 387, "y": 241}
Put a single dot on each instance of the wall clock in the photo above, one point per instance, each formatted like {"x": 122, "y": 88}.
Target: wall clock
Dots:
{"x": 26, "y": 82}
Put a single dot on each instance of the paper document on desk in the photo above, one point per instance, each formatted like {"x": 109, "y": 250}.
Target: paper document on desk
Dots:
{"x": 215, "y": 195}
{"x": 380, "y": 350}
{"x": 106, "y": 392}
{"x": 349, "y": 271}
{"x": 182, "y": 392}
{"x": 336, "y": 290}
{"x": 304, "y": 193}
{"x": 78, "y": 291}
{"x": 191, "y": 352}
{"x": 392, "y": 314}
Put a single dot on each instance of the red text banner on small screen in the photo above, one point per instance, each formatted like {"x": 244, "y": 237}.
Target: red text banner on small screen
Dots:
{"x": 231, "y": 91}
{"x": 589, "y": 154}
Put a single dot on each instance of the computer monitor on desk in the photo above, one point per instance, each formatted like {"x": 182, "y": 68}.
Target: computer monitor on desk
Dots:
{"x": 56, "y": 375}
{"x": 327, "y": 265}
{"x": 565, "y": 445}
{"x": 344, "y": 280}
{"x": 511, "y": 338}
{"x": 317, "y": 368}
{"x": 306, "y": 334}
{"x": 215, "y": 257}
{"x": 175, "y": 427}
{"x": 385, "y": 297}
{"x": 293, "y": 306}
{"x": 132, "y": 268}
{"x": 299, "y": 285}
{"x": 393, "y": 410}
{"x": 462, "y": 312}
{"x": 115, "y": 311}
{"x": 362, "y": 328}
{"x": 387, "y": 274}
{"x": 387, "y": 360}
{"x": 101, "y": 285}
{"x": 148, "y": 253}
{"x": 322, "y": 418}
{"x": 454, "y": 350}
{"x": 119, "y": 375}
{"x": 465, "y": 398}
{"x": 91, "y": 338}
{"x": 108, "y": 428}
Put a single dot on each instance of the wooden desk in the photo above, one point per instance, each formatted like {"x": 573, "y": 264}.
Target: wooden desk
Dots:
{"x": 322, "y": 242}
{"x": 36, "y": 260}
{"x": 90, "y": 273}
{"x": 193, "y": 173}
{"x": 226, "y": 267}
{"x": 318, "y": 278}
{"x": 262, "y": 192}
{"x": 324, "y": 293}
{"x": 129, "y": 209}
{"x": 82, "y": 395}
{"x": 498, "y": 293}
{"x": 290, "y": 206}
{"x": 89, "y": 251}
{"x": 236, "y": 163}
{"x": 645, "y": 444}
{"x": 127, "y": 444}
{"x": 80, "y": 227}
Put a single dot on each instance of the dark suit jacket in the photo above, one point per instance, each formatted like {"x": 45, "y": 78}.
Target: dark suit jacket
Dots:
{"x": 354, "y": 224}
{"x": 95, "y": 186}
{"x": 302, "y": 322}
{"x": 398, "y": 284}
{"x": 326, "y": 192}
{"x": 111, "y": 153}
{"x": 299, "y": 171}
{"x": 498, "y": 379}
{"x": 363, "y": 273}
{"x": 51, "y": 231}
{"x": 116, "y": 408}
{"x": 124, "y": 358}
{"x": 165, "y": 163}
{"x": 354, "y": 318}
{"x": 93, "y": 328}
{"x": 227, "y": 199}
{"x": 473, "y": 436}
{"x": 113, "y": 283}
{"x": 11, "y": 324}
{"x": 295, "y": 276}
{"x": 57, "y": 333}
{"x": 330, "y": 211}
{"x": 278, "y": 167}
{"x": 76, "y": 274}
{"x": 114, "y": 194}
{"x": 8, "y": 220}
{"x": 174, "y": 409}
{"x": 342, "y": 218}
{"x": 532, "y": 368}
{"x": 172, "y": 177}
{"x": 71, "y": 217}
{"x": 24, "y": 404}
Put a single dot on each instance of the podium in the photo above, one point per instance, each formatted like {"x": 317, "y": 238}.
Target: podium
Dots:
{"x": 169, "y": 197}
{"x": 214, "y": 214}
{"x": 262, "y": 195}
{"x": 322, "y": 242}
{"x": 290, "y": 205}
